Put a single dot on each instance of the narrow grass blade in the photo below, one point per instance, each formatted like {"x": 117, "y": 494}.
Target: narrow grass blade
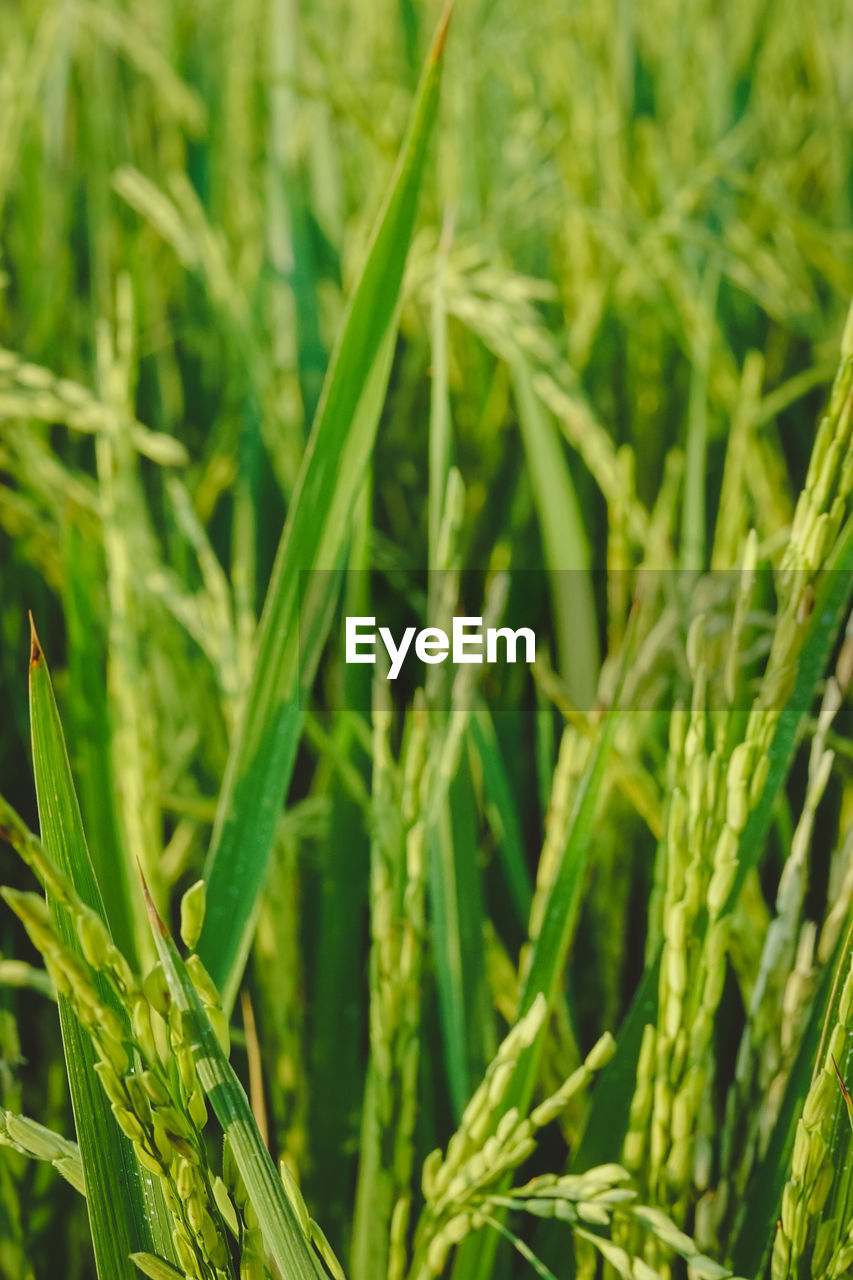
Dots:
{"x": 565, "y": 544}
{"x": 693, "y": 518}
{"x": 292, "y": 233}
{"x": 607, "y": 1122}
{"x": 456, "y": 907}
{"x": 337, "y": 1068}
{"x": 500, "y": 799}
{"x": 279, "y": 1225}
{"x": 440, "y": 447}
{"x": 126, "y": 1210}
{"x": 89, "y": 730}
{"x": 554, "y": 939}
{"x": 374, "y": 1206}
{"x": 338, "y": 999}
{"x": 315, "y": 534}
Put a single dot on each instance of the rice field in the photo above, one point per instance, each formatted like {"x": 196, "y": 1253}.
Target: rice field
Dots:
{"x": 426, "y": 565}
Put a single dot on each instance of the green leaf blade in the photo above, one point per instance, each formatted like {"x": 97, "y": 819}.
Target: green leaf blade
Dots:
{"x": 126, "y": 1209}
{"x": 314, "y": 539}
{"x": 565, "y": 545}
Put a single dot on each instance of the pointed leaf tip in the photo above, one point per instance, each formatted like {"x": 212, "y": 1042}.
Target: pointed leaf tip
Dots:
{"x": 153, "y": 914}
{"x": 845, "y": 1092}
{"x": 441, "y": 33}
{"x": 36, "y": 653}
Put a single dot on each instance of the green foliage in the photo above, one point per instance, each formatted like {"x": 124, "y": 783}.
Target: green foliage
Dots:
{"x": 529, "y": 972}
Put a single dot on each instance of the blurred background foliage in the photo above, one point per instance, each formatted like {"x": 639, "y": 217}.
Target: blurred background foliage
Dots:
{"x": 636, "y": 239}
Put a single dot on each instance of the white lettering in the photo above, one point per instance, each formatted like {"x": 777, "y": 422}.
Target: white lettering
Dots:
{"x": 432, "y": 645}
{"x": 356, "y": 638}
{"x": 463, "y": 641}
{"x": 511, "y": 637}
{"x": 396, "y": 653}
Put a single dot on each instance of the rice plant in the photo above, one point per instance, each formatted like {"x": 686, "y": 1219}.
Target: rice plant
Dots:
{"x": 333, "y": 337}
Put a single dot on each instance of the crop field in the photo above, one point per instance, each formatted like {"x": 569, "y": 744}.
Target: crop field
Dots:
{"x": 426, "y": 572}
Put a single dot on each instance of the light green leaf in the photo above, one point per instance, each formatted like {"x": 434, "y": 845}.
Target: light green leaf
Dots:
{"x": 155, "y": 1268}
{"x": 564, "y": 541}
{"x": 502, "y": 810}
{"x": 294, "y": 625}
{"x": 457, "y": 914}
